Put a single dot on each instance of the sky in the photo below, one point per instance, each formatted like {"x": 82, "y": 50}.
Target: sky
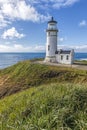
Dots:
{"x": 23, "y": 24}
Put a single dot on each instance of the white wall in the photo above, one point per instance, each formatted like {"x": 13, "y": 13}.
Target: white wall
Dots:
{"x": 52, "y": 42}
{"x": 64, "y": 60}
{"x": 50, "y": 59}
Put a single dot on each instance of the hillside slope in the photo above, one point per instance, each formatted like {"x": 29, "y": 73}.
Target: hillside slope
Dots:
{"x": 55, "y": 99}
{"x": 46, "y": 107}
{"x": 26, "y": 74}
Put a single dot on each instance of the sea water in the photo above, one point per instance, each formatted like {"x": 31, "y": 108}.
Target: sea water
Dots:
{"x": 8, "y": 59}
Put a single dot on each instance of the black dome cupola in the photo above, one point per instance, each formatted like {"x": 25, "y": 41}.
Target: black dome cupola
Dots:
{"x": 52, "y": 20}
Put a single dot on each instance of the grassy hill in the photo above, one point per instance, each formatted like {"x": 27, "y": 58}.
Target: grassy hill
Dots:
{"x": 41, "y": 97}
{"x": 27, "y": 74}
{"x": 46, "y": 107}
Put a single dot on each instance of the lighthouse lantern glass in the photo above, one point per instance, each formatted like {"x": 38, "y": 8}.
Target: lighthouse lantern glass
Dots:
{"x": 52, "y": 26}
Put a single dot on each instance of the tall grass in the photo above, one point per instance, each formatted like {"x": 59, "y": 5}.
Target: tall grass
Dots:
{"x": 55, "y": 106}
{"x": 27, "y": 74}
{"x": 55, "y": 99}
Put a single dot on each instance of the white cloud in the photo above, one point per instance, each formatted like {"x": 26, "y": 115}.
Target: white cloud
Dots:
{"x": 64, "y": 3}
{"x": 61, "y": 39}
{"x": 77, "y": 48}
{"x": 7, "y": 43}
{"x": 3, "y": 22}
{"x": 38, "y": 48}
{"x": 19, "y": 10}
{"x": 11, "y": 10}
{"x": 14, "y": 48}
{"x": 21, "y": 48}
{"x": 11, "y": 33}
{"x": 83, "y": 23}
{"x": 53, "y": 3}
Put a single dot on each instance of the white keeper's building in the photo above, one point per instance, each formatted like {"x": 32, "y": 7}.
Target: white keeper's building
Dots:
{"x": 52, "y": 53}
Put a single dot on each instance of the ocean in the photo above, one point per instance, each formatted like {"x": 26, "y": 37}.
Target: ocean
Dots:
{"x": 8, "y": 59}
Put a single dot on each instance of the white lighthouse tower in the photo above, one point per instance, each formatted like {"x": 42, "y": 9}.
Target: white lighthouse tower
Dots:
{"x": 51, "y": 45}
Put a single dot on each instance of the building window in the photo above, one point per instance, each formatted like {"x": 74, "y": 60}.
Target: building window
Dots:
{"x": 61, "y": 57}
{"x": 67, "y": 57}
{"x": 49, "y": 33}
{"x": 48, "y": 47}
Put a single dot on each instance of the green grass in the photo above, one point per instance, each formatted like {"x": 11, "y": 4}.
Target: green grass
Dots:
{"x": 27, "y": 74}
{"x": 47, "y": 107}
{"x": 55, "y": 97}
{"x": 80, "y": 62}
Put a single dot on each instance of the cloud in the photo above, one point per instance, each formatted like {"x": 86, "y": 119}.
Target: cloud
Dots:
{"x": 83, "y": 23}
{"x": 3, "y": 22}
{"x": 61, "y": 39}
{"x": 7, "y": 43}
{"x": 39, "y": 48}
{"x": 12, "y": 33}
{"x": 64, "y": 3}
{"x": 14, "y": 48}
{"x": 53, "y": 3}
{"x": 11, "y": 10}
{"x": 21, "y": 48}
{"x": 77, "y": 48}
{"x": 20, "y": 10}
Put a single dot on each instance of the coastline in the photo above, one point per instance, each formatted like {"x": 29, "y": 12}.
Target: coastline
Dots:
{"x": 9, "y": 59}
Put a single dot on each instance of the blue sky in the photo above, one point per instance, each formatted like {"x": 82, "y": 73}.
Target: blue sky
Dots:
{"x": 23, "y": 24}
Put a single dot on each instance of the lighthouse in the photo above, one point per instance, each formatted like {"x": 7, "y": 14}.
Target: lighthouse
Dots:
{"x": 53, "y": 54}
{"x": 51, "y": 44}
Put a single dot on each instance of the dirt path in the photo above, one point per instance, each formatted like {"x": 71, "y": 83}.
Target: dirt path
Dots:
{"x": 3, "y": 80}
{"x": 77, "y": 66}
